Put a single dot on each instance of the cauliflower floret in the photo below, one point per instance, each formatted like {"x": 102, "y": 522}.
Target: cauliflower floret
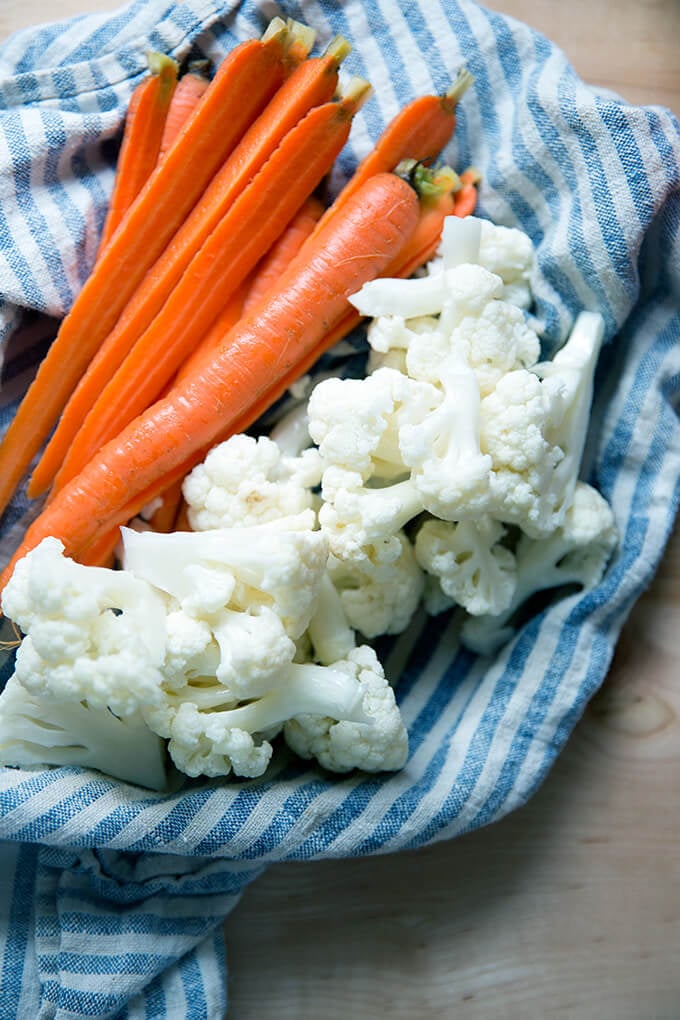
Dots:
{"x": 513, "y": 425}
{"x": 496, "y": 341}
{"x": 278, "y": 564}
{"x": 473, "y": 569}
{"x": 379, "y": 596}
{"x": 356, "y": 517}
{"x": 92, "y": 634}
{"x": 509, "y": 253}
{"x": 211, "y": 735}
{"x": 44, "y": 730}
{"x": 534, "y": 428}
{"x": 576, "y": 553}
{"x": 245, "y": 481}
{"x": 450, "y": 472}
{"x": 378, "y": 744}
{"x": 356, "y": 422}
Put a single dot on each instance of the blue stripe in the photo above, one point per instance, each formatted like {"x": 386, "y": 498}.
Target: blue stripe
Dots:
{"x": 20, "y": 919}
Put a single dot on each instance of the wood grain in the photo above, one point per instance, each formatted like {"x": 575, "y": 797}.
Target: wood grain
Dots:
{"x": 570, "y": 907}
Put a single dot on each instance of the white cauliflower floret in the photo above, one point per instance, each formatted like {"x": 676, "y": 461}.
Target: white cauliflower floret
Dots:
{"x": 356, "y": 517}
{"x": 210, "y": 735}
{"x": 509, "y": 253}
{"x": 92, "y": 634}
{"x": 356, "y": 422}
{"x": 378, "y": 744}
{"x": 576, "y": 553}
{"x": 44, "y": 730}
{"x": 534, "y": 427}
{"x": 496, "y": 341}
{"x": 450, "y": 472}
{"x": 245, "y": 481}
{"x": 255, "y": 588}
{"x": 473, "y": 568}
{"x": 513, "y": 426}
{"x": 379, "y": 596}
{"x": 278, "y": 565}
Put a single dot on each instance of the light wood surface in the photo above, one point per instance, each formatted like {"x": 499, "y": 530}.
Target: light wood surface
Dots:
{"x": 570, "y": 907}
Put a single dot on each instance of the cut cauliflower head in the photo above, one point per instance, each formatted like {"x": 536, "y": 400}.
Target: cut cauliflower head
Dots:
{"x": 378, "y": 744}
{"x": 92, "y": 634}
{"x": 379, "y": 595}
{"x": 472, "y": 568}
{"x": 245, "y": 481}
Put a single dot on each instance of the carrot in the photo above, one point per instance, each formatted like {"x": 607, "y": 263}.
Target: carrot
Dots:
{"x": 185, "y": 99}
{"x": 144, "y": 125}
{"x": 244, "y": 234}
{"x": 438, "y": 190}
{"x": 313, "y": 82}
{"x": 168, "y": 438}
{"x": 244, "y": 83}
{"x": 282, "y": 253}
{"x": 419, "y": 131}
{"x": 466, "y": 198}
{"x": 227, "y": 318}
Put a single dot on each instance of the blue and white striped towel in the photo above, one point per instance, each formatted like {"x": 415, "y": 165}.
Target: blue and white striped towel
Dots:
{"x": 113, "y": 898}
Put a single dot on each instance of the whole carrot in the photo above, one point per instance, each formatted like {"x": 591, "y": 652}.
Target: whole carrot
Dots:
{"x": 245, "y": 233}
{"x": 144, "y": 126}
{"x": 313, "y": 82}
{"x": 263, "y": 346}
{"x": 244, "y": 83}
{"x": 190, "y": 88}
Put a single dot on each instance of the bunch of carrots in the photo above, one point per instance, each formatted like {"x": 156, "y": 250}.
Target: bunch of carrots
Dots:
{"x": 220, "y": 277}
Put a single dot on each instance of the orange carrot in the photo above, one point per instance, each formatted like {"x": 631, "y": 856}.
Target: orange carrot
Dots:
{"x": 163, "y": 519}
{"x": 185, "y": 99}
{"x": 282, "y": 253}
{"x": 246, "y": 232}
{"x": 244, "y": 83}
{"x": 466, "y": 197}
{"x": 227, "y": 318}
{"x": 312, "y": 83}
{"x": 144, "y": 125}
{"x": 419, "y": 131}
{"x": 166, "y": 439}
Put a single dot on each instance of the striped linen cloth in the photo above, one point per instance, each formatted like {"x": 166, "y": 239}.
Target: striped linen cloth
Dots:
{"x": 113, "y": 898}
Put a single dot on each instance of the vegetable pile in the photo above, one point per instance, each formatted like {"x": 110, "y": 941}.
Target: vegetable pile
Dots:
{"x": 240, "y": 598}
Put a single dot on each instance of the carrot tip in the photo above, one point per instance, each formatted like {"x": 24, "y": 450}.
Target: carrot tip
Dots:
{"x": 355, "y": 94}
{"x": 338, "y": 49}
{"x": 462, "y": 83}
{"x": 276, "y": 29}
{"x": 162, "y": 65}
{"x": 300, "y": 39}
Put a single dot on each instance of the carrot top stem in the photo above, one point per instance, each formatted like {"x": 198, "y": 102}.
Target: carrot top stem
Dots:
{"x": 459, "y": 87}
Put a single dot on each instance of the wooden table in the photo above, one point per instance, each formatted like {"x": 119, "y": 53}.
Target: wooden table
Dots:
{"x": 570, "y": 907}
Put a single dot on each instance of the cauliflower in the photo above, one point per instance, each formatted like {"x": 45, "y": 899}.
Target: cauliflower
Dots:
{"x": 92, "y": 634}
{"x": 46, "y": 730}
{"x": 211, "y": 735}
{"x": 514, "y": 422}
{"x": 356, "y": 422}
{"x": 448, "y": 469}
{"x": 533, "y": 425}
{"x": 254, "y": 589}
{"x": 245, "y": 481}
{"x": 378, "y": 595}
{"x": 575, "y": 553}
{"x": 357, "y": 519}
{"x": 379, "y": 743}
{"x": 472, "y": 568}
{"x": 509, "y": 253}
